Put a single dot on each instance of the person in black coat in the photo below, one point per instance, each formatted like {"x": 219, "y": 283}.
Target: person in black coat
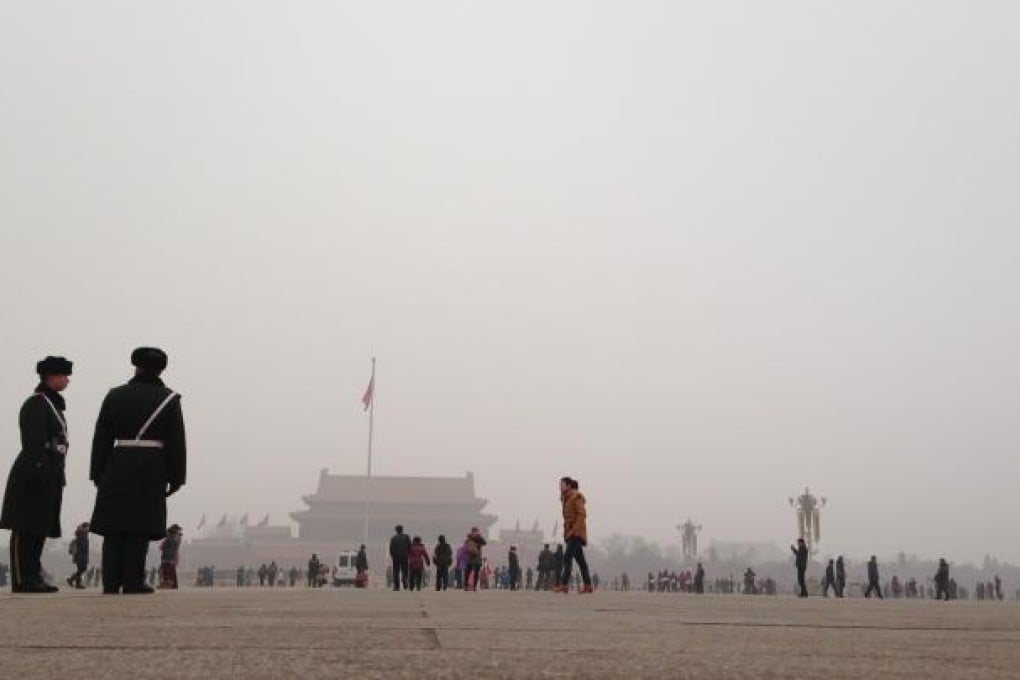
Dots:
{"x": 361, "y": 560}
{"x": 699, "y": 579}
{"x": 138, "y": 460}
{"x": 442, "y": 557}
{"x": 942, "y": 580}
{"x": 840, "y": 576}
{"x": 514, "y": 567}
{"x": 35, "y": 486}
{"x": 800, "y": 552}
{"x": 873, "y": 584}
{"x": 400, "y": 551}
{"x": 829, "y": 581}
{"x": 557, "y": 564}
{"x": 79, "y": 551}
{"x": 545, "y": 568}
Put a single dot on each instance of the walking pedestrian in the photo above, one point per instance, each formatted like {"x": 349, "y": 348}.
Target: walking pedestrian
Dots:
{"x": 873, "y": 583}
{"x": 800, "y": 553}
{"x": 460, "y": 567}
{"x": 361, "y": 568}
{"x": 442, "y": 557}
{"x": 417, "y": 560}
{"x": 829, "y": 581}
{"x": 840, "y": 576}
{"x": 942, "y": 580}
{"x": 314, "y": 567}
{"x": 575, "y": 533}
{"x": 474, "y": 543}
{"x": 545, "y": 568}
{"x": 514, "y": 569}
{"x": 400, "y": 551}
{"x": 169, "y": 552}
{"x": 79, "y": 550}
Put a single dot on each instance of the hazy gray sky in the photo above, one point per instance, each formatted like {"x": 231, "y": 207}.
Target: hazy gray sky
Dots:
{"x": 696, "y": 254}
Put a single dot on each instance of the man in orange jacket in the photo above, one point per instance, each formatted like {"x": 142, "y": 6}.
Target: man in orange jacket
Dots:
{"x": 575, "y": 534}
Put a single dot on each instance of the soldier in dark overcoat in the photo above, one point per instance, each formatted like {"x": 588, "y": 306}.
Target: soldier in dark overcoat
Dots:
{"x": 35, "y": 486}
{"x": 138, "y": 460}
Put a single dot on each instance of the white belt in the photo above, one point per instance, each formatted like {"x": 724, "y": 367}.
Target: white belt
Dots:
{"x": 138, "y": 444}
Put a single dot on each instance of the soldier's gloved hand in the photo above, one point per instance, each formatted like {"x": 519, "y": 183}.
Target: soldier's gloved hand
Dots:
{"x": 171, "y": 489}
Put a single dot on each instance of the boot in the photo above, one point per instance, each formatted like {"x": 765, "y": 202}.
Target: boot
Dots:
{"x": 561, "y": 589}
{"x": 586, "y": 590}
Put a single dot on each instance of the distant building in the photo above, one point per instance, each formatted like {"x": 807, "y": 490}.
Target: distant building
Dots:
{"x": 426, "y": 506}
{"x": 529, "y": 544}
{"x": 335, "y": 521}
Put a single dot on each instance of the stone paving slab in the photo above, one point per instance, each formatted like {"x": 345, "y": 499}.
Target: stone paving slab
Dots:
{"x": 301, "y": 633}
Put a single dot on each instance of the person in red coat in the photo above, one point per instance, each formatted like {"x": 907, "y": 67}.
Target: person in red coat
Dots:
{"x": 417, "y": 560}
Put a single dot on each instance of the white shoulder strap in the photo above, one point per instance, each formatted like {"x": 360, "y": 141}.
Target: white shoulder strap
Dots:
{"x": 60, "y": 418}
{"x": 155, "y": 414}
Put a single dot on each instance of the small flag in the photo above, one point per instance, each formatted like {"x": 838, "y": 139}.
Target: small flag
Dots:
{"x": 222, "y": 523}
{"x": 369, "y": 392}
{"x": 244, "y": 520}
{"x": 265, "y": 521}
{"x": 201, "y": 523}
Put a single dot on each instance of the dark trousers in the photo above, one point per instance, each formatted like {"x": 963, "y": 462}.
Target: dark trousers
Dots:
{"x": 415, "y": 579}
{"x": 168, "y": 575}
{"x": 75, "y": 578}
{"x": 840, "y": 585}
{"x": 472, "y": 576}
{"x": 26, "y": 556}
{"x": 458, "y": 578}
{"x": 575, "y": 551}
{"x": 801, "y": 584}
{"x": 442, "y": 578}
{"x": 124, "y": 563}
{"x": 873, "y": 586}
{"x": 400, "y": 569}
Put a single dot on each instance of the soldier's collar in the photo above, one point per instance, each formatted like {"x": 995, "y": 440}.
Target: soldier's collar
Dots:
{"x": 146, "y": 378}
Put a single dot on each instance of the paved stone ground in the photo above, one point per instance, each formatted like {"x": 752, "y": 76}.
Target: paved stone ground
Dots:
{"x": 303, "y": 633}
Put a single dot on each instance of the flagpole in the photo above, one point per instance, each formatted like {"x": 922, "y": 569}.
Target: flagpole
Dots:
{"x": 371, "y": 418}
{"x": 371, "y": 427}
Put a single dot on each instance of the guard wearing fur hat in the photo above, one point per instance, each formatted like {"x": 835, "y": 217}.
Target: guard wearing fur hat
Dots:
{"x": 35, "y": 486}
{"x": 138, "y": 460}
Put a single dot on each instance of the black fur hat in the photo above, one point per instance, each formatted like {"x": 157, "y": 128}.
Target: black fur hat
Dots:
{"x": 149, "y": 359}
{"x": 53, "y": 366}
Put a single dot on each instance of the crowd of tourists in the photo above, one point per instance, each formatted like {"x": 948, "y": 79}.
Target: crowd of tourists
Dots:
{"x": 471, "y": 571}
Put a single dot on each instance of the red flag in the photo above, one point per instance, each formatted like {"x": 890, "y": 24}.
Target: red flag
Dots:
{"x": 265, "y": 521}
{"x": 367, "y": 399}
{"x": 369, "y": 393}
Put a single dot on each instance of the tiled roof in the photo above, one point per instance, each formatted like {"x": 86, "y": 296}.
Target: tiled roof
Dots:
{"x": 405, "y": 490}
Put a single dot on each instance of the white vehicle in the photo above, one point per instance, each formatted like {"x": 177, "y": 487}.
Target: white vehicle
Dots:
{"x": 346, "y": 572}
